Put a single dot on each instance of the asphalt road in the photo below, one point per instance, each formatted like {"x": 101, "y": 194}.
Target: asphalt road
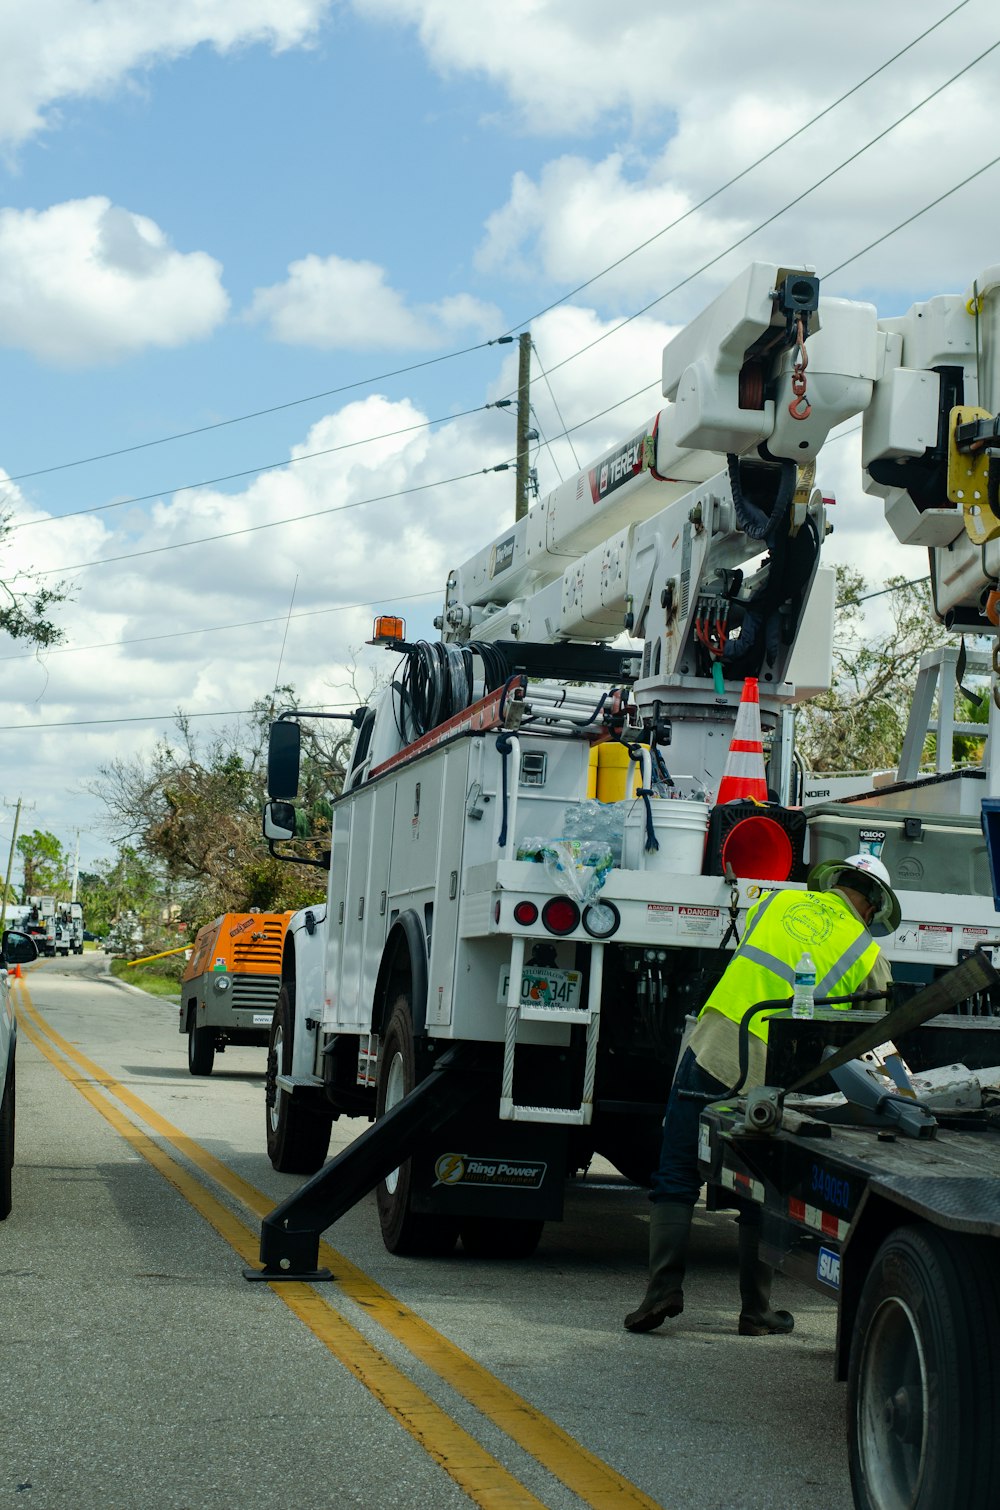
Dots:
{"x": 141, "y": 1370}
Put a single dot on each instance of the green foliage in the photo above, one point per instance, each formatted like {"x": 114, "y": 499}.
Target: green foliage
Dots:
{"x": 127, "y": 886}
{"x": 160, "y": 977}
{"x": 859, "y": 724}
{"x": 193, "y": 810}
{"x": 46, "y": 871}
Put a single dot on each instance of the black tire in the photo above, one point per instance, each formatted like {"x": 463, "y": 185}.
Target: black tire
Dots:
{"x": 496, "y": 1237}
{"x": 7, "y": 1107}
{"x": 924, "y": 1375}
{"x": 298, "y": 1136}
{"x": 201, "y": 1049}
{"x": 404, "y": 1231}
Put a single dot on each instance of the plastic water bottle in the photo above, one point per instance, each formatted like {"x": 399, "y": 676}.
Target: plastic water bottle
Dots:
{"x": 804, "y": 994}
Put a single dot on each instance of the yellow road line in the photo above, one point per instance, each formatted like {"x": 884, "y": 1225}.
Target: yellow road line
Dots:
{"x": 474, "y": 1470}
{"x": 588, "y": 1476}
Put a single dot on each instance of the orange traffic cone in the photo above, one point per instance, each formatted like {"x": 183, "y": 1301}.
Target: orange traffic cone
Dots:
{"x": 744, "y": 774}
{"x": 17, "y": 972}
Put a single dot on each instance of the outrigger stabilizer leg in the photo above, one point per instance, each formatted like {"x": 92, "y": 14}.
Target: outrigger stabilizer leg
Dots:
{"x": 289, "y": 1235}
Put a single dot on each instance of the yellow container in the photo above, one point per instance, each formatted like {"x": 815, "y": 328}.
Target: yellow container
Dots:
{"x": 592, "y": 772}
{"x": 612, "y": 773}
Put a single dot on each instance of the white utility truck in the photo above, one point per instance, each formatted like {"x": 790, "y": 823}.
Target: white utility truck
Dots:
{"x": 69, "y": 928}
{"x": 502, "y": 970}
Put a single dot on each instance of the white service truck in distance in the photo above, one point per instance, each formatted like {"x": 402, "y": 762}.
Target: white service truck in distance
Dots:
{"x": 69, "y": 928}
{"x": 487, "y": 923}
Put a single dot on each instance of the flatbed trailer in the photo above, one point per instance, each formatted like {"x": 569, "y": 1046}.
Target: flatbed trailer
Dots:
{"x": 903, "y": 1234}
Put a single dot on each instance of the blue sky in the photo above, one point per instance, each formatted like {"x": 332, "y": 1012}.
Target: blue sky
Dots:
{"x": 214, "y": 208}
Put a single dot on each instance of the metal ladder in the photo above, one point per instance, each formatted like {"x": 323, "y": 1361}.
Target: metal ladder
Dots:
{"x": 589, "y": 1016}
{"x": 938, "y": 672}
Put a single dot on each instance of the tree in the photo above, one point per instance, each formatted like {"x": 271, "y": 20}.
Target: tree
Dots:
{"x": 193, "y": 808}
{"x": 860, "y": 723}
{"x": 46, "y": 870}
{"x": 127, "y": 885}
{"x": 26, "y": 614}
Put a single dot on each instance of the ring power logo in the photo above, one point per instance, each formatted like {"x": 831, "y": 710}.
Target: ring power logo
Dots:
{"x": 463, "y": 1169}
{"x": 450, "y": 1169}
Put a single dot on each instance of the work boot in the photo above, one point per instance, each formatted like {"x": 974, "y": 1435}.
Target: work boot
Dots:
{"x": 756, "y": 1317}
{"x": 669, "y": 1230}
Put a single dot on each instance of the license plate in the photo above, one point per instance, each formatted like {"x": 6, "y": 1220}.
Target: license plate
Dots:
{"x": 262, "y": 1019}
{"x": 542, "y": 987}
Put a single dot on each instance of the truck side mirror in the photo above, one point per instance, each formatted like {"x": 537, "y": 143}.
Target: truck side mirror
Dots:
{"x": 17, "y": 948}
{"x": 279, "y": 820}
{"x": 283, "y": 755}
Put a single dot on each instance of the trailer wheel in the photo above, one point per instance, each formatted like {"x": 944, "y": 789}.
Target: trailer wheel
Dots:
{"x": 403, "y": 1230}
{"x": 201, "y": 1049}
{"x": 924, "y": 1375}
{"x": 497, "y": 1237}
{"x": 298, "y": 1136}
{"x": 6, "y": 1145}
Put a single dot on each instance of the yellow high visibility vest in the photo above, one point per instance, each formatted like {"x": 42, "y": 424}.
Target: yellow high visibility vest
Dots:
{"x": 780, "y": 928}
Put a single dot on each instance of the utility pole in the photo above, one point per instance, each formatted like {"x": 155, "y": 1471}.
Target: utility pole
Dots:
{"x": 76, "y": 868}
{"x": 10, "y": 865}
{"x": 523, "y": 415}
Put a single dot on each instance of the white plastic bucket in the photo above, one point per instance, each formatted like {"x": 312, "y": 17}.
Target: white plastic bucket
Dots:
{"x": 680, "y": 827}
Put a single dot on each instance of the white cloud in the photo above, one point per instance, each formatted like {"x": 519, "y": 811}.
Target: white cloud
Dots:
{"x": 56, "y": 50}
{"x": 87, "y": 282}
{"x": 692, "y": 104}
{"x": 338, "y": 304}
{"x": 577, "y": 216}
{"x": 567, "y": 65}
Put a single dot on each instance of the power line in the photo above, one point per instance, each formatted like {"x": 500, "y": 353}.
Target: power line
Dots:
{"x": 141, "y": 718}
{"x": 239, "y": 419}
{"x": 180, "y": 634}
{"x": 883, "y": 592}
{"x": 483, "y": 345}
{"x": 270, "y": 466}
{"x": 555, "y": 405}
{"x": 853, "y": 157}
{"x": 693, "y": 210}
{"x": 916, "y": 215}
{"x": 273, "y": 524}
{"x": 690, "y": 277}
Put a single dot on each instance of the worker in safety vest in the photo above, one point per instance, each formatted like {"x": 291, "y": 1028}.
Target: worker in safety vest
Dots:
{"x": 848, "y": 904}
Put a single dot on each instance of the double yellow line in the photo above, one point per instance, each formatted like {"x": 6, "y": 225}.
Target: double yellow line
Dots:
{"x": 480, "y": 1475}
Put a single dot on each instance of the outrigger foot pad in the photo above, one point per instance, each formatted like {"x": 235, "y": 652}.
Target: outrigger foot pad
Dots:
{"x": 303, "y": 1277}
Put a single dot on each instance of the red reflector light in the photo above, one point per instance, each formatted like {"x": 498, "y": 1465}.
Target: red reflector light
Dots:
{"x": 560, "y": 915}
{"x": 525, "y": 913}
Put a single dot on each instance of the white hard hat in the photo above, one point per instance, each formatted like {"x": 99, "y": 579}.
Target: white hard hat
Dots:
{"x": 867, "y": 874}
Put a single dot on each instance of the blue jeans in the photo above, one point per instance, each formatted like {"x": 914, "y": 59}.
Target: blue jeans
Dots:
{"x": 677, "y": 1178}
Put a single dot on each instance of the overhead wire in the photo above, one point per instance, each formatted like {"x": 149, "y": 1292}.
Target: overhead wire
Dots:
{"x": 503, "y": 465}
{"x": 240, "y": 419}
{"x": 790, "y": 205}
{"x": 545, "y": 377}
{"x": 181, "y": 634}
{"x": 771, "y": 152}
{"x": 271, "y": 524}
{"x": 270, "y": 466}
{"x": 140, "y": 718}
{"x": 483, "y": 345}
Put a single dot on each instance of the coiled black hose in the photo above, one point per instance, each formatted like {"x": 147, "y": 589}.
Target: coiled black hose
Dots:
{"x": 436, "y": 681}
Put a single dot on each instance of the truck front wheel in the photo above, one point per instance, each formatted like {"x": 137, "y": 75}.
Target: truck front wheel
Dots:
{"x": 201, "y": 1049}
{"x": 924, "y": 1375}
{"x": 298, "y": 1136}
{"x": 404, "y": 1231}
